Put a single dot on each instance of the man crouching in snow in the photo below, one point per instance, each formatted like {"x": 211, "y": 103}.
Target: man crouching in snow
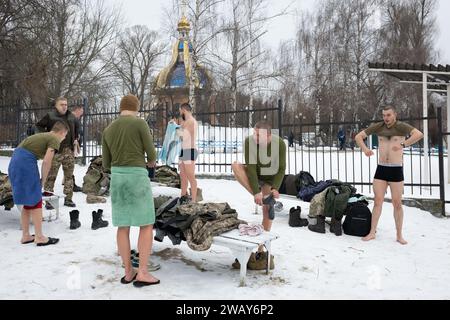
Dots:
{"x": 263, "y": 172}
{"x": 392, "y": 141}
{"x": 25, "y": 181}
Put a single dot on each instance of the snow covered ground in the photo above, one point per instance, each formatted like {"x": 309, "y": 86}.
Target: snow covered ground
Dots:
{"x": 84, "y": 265}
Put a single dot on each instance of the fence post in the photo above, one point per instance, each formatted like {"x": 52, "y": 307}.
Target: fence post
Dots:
{"x": 86, "y": 114}
{"x": 280, "y": 117}
{"x": 18, "y": 129}
{"x": 441, "y": 160}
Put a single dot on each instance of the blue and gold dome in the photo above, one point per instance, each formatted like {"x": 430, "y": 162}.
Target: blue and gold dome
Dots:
{"x": 178, "y": 74}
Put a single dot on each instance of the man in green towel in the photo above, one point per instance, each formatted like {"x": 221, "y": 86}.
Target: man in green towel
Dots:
{"x": 128, "y": 150}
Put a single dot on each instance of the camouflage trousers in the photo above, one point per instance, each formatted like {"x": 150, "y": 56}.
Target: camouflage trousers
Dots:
{"x": 65, "y": 158}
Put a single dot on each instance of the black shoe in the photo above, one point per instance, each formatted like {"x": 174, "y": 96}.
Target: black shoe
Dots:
{"x": 336, "y": 227}
{"x": 69, "y": 203}
{"x": 48, "y": 206}
{"x": 295, "y": 220}
{"x": 97, "y": 221}
{"x": 74, "y": 222}
{"x": 319, "y": 227}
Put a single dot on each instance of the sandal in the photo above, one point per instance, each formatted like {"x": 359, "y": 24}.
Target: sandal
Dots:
{"x": 124, "y": 280}
{"x": 31, "y": 241}
{"x": 51, "y": 241}
{"x": 141, "y": 284}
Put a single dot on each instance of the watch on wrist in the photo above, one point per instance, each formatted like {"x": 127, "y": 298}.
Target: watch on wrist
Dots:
{"x": 403, "y": 145}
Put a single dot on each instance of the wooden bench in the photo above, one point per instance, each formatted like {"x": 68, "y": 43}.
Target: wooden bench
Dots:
{"x": 243, "y": 246}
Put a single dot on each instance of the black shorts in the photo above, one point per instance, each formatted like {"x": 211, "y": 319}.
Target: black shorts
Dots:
{"x": 390, "y": 174}
{"x": 189, "y": 155}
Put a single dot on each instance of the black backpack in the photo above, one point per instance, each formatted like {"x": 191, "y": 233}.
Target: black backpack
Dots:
{"x": 358, "y": 220}
{"x": 304, "y": 179}
{"x": 288, "y": 187}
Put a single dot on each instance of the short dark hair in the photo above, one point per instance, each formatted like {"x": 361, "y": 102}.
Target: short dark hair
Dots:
{"x": 78, "y": 106}
{"x": 390, "y": 107}
{"x": 186, "y": 106}
{"x": 263, "y": 125}
{"x": 60, "y": 127}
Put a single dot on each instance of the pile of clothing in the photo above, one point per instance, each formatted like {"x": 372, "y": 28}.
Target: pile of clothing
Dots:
{"x": 329, "y": 199}
{"x": 6, "y": 196}
{"x": 195, "y": 223}
{"x": 167, "y": 176}
{"x": 96, "y": 182}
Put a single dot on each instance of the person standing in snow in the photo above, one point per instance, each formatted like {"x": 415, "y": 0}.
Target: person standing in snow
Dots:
{"x": 189, "y": 154}
{"x": 65, "y": 155}
{"x": 264, "y": 170}
{"x": 391, "y": 135}
{"x": 25, "y": 181}
{"x": 125, "y": 143}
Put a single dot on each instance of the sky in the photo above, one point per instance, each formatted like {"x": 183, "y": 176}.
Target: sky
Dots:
{"x": 150, "y": 13}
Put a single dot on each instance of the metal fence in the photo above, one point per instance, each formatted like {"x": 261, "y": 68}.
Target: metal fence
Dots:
{"x": 313, "y": 147}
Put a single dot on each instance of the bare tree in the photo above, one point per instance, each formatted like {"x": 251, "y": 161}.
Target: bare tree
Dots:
{"x": 135, "y": 59}
{"x": 241, "y": 60}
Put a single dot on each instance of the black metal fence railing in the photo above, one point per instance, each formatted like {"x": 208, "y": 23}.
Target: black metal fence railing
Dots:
{"x": 317, "y": 149}
{"x": 313, "y": 147}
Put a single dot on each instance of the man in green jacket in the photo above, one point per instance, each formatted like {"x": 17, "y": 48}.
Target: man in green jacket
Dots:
{"x": 264, "y": 169}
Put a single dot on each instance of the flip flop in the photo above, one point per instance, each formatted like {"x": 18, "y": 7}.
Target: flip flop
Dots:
{"x": 51, "y": 241}
{"x": 141, "y": 284}
{"x": 124, "y": 281}
{"x": 31, "y": 241}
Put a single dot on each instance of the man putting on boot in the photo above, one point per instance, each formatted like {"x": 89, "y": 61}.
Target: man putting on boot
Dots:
{"x": 391, "y": 135}
{"x": 264, "y": 170}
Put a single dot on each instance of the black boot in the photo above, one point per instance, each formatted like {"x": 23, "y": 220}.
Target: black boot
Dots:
{"x": 69, "y": 203}
{"x": 336, "y": 227}
{"x": 75, "y": 187}
{"x": 319, "y": 227}
{"x": 97, "y": 221}
{"x": 295, "y": 220}
{"x": 74, "y": 222}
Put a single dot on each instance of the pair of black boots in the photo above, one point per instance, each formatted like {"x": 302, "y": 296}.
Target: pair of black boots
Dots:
{"x": 97, "y": 221}
{"x": 295, "y": 219}
{"x": 319, "y": 227}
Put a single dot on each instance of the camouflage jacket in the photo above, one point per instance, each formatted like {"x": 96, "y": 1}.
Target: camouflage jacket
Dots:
{"x": 195, "y": 223}
{"x": 96, "y": 181}
{"x": 6, "y": 196}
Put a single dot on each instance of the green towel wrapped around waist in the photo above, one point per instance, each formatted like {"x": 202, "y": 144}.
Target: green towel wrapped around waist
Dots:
{"x": 131, "y": 197}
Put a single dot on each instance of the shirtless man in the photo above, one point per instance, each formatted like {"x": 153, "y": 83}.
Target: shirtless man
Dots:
{"x": 188, "y": 154}
{"x": 392, "y": 140}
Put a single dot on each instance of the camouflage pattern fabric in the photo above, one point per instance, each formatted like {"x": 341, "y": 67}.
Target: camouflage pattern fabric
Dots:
{"x": 212, "y": 219}
{"x": 317, "y": 207}
{"x": 65, "y": 158}
{"x": 167, "y": 176}
{"x": 91, "y": 199}
{"x": 195, "y": 223}
{"x": 96, "y": 182}
{"x": 6, "y": 196}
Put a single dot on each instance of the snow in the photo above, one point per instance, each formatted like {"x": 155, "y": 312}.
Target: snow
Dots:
{"x": 84, "y": 265}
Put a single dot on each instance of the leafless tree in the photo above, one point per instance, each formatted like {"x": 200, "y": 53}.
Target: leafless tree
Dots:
{"x": 135, "y": 59}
